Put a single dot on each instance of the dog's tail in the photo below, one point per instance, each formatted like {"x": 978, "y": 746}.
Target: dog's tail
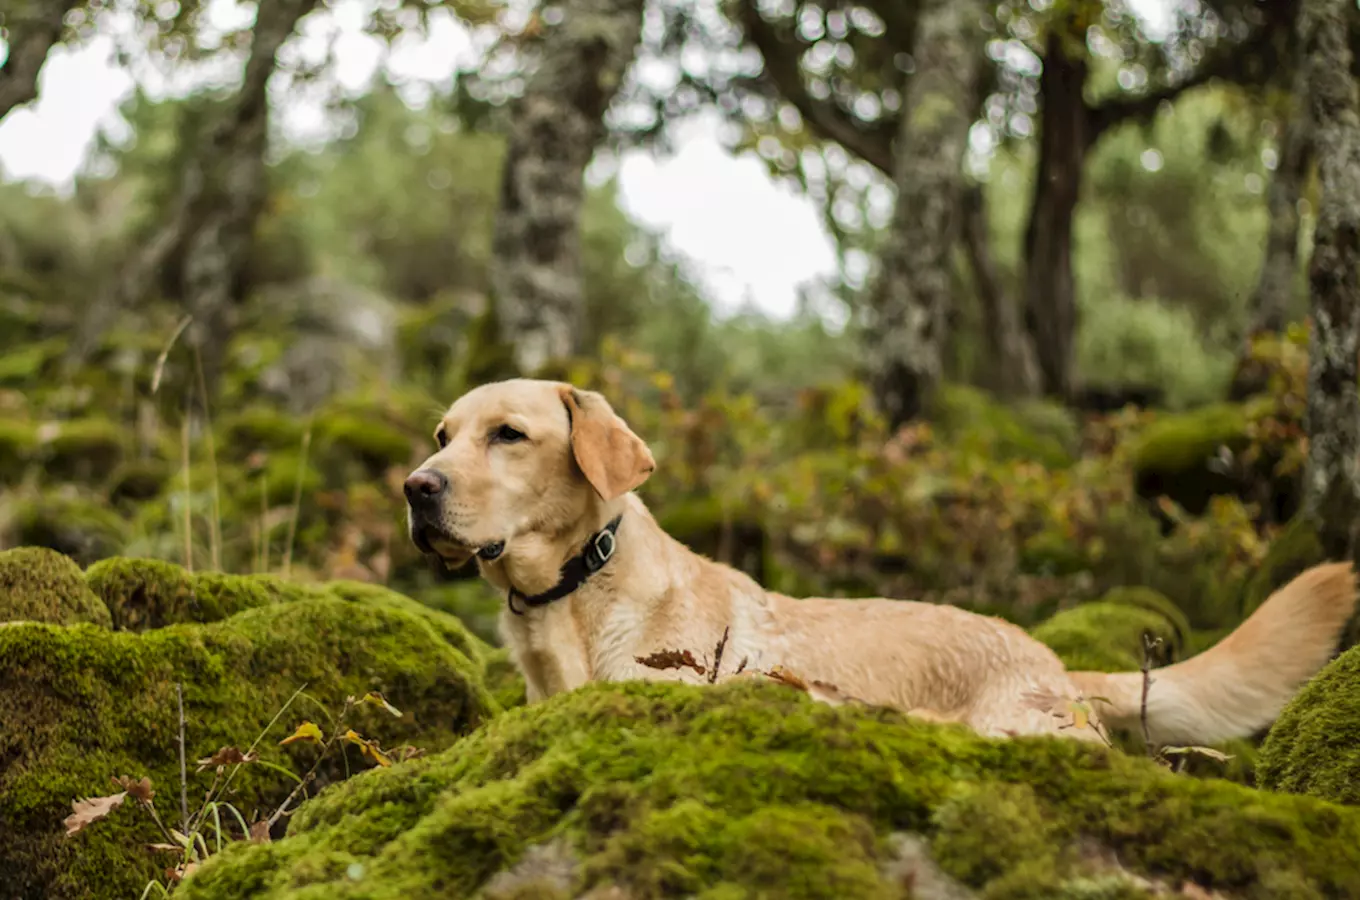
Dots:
{"x": 1241, "y": 684}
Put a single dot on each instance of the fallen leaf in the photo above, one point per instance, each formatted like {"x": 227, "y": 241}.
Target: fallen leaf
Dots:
{"x": 375, "y": 698}
{"x": 259, "y": 832}
{"x": 168, "y": 848}
{"x": 369, "y": 748}
{"x": 672, "y": 659}
{"x": 307, "y": 731}
{"x": 227, "y": 756}
{"x": 785, "y": 676}
{"x": 89, "y": 810}
{"x": 140, "y": 790}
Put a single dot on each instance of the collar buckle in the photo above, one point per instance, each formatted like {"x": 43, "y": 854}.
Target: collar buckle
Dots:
{"x": 600, "y": 551}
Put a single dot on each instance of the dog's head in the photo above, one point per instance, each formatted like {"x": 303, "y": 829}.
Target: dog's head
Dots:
{"x": 520, "y": 461}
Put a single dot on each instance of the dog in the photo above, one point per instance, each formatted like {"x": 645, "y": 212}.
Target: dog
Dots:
{"x": 537, "y": 479}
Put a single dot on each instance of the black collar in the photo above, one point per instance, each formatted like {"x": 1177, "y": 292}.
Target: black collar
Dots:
{"x": 598, "y": 551}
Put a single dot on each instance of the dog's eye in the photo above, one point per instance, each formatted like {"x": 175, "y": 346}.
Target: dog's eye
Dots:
{"x": 506, "y": 435}
{"x": 441, "y": 437}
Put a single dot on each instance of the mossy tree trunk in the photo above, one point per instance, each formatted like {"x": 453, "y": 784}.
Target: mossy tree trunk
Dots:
{"x": 33, "y": 27}
{"x": 912, "y": 295}
{"x": 216, "y": 251}
{"x": 554, "y": 129}
{"x": 1066, "y": 134}
{"x": 1274, "y": 294}
{"x": 1333, "y": 416}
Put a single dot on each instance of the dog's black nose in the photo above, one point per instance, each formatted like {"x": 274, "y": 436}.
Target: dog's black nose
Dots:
{"x": 424, "y": 486}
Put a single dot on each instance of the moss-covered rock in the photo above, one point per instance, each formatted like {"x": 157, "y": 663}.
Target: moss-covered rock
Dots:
{"x": 259, "y": 428}
{"x": 18, "y": 445}
{"x": 67, "y": 522}
{"x": 970, "y": 420}
{"x": 40, "y": 585}
{"x": 82, "y": 704}
{"x": 1314, "y": 746}
{"x": 146, "y": 593}
{"x": 752, "y": 790}
{"x": 1107, "y": 635}
{"x": 137, "y": 481}
{"x": 83, "y": 450}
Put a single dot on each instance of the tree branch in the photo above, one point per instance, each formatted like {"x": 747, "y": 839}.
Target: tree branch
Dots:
{"x": 871, "y": 143}
{"x": 30, "y": 40}
{"x": 1233, "y": 62}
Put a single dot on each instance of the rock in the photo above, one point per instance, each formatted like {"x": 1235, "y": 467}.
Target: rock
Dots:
{"x": 1107, "y": 635}
{"x": 751, "y": 789}
{"x": 82, "y": 704}
{"x": 1314, "y": 746}
{"x": 41, "y": 585}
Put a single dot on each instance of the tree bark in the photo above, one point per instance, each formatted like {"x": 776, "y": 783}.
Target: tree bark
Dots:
{"x": 554, "y": 128}
{"x": 1275, "y": 288}
{"x": 1066, "y": 133}
{"x": 216, "y": 252}
{"x": 34, "y": 28}
{"x": 1332, "y": 492}
{"x": 911, "y": 298}
{"x": 1016, "y": 370}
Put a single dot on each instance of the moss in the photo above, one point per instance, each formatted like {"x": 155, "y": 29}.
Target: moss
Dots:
{"x": 84, "y": 449}
{"x": 1314, "y": 746}
{"x": 1177, "y": 443}
{"x": 753, "y": 790}
{"x": 503, "y": 679}
{"x": 1147, "y": 598}
{"x": 1105, "y": 636}
{"x": 81, "y": 704}
{"x": 138, "y": 480}
{"x": 259, "y": 428}
{"x": 149, "y": 593}
{"x": 377, "y": 444}
{"x": 40, "y": 585}
{"x": 969, "y": 420}
{"x": 82, "y": 529}
{"x": 26, "y": 363}
{"x": 476, "y": 604}
{"x": 18, "y": 445}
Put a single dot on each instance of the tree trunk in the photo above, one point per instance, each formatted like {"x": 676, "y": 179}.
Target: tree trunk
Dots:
{"x": 1015, "y": 370}
{"x": 554, "y": 129}
{"x": 32, "y": 33}
{"x": 911, "y": 298}
{"x": 1333, "y": 417}
{"x": 1065, "y": 135}
{"x": 216, "y": 252}
{"x": 1275, "y": 289}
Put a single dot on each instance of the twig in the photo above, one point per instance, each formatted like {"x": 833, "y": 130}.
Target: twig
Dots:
{"x": 297, "y": 502}
{"x": 717, "y": 657}
{"x": 1150, "y": 643}
{"x": 215, "y": 524}
{"x": 183, "y": 768}
{"x": 311, "y": 773}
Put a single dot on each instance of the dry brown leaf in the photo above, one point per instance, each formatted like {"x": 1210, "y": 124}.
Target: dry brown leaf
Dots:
{"x": 227, "y": 756}
{"x": 307, "y": 731}
{"x": 139, "y": 789}
{"x": 259, "y": 832}
{"x": 90, "y": 810}
{"x": 672, "y": 659}
{"x": 785, "y": 676}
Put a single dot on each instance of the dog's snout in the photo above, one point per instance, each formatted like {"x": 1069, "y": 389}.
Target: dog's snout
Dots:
{"x": 425, "y": 486}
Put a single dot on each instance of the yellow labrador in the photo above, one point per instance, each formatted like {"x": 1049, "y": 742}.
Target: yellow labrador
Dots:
{"x": 535, "y": 478}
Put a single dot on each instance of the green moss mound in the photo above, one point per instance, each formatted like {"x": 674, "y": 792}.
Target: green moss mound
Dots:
{"x": 1314, "y": 746}
{"x": 752, "y": 790}
{"x": 148, "y": 593}
{"x": 69, "y": 523}
{"x": 970, "y": 420}
{"x": 84, "y": 450}
{"x": 40, "y": 585}
{"x": 81, "y": 704}
{"x": 18, "y": 444}
{"x": 1107, "y": 635}
{"x": 1176, "y": 443}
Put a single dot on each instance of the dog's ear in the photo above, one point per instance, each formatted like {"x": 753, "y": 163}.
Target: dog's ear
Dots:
{"x": 613, "y": 459}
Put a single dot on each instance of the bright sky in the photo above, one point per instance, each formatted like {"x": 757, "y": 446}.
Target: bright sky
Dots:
{"x": 750, "y": 238}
